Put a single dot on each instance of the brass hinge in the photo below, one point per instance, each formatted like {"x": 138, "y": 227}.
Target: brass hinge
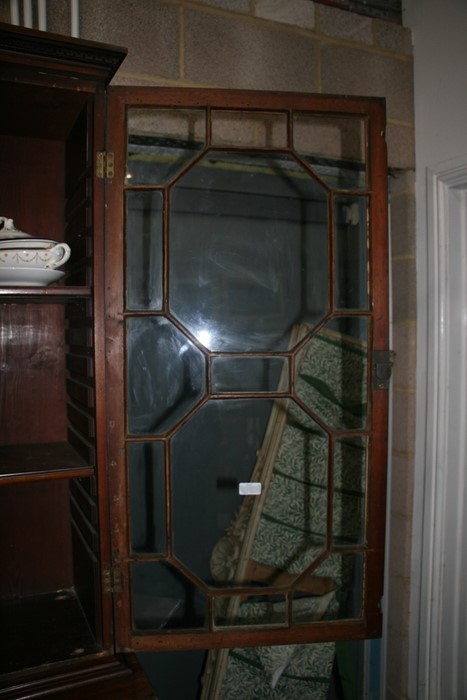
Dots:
{"x": 112, "y": 580}
{"x": 105, "y": 169}
{"x": 383, "y": 361}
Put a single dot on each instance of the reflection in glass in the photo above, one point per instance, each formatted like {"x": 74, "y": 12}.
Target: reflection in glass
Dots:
{"x": 345, "y": 601}
{"x": 333, "y": 373}
{"x": 254, "y": 228}
{"x": 334, "y": 147}
{"x": 311, "y": 608}
{"x": 350, "y": 464}
{"x": 351, "y": 253}
{"x": 291, "y": 531}
{"x": 165, "y": 375}
{"x": 249, "y": 374}
{"x": 211, "y": 454}
{"x": 273, "y": 538}
{"x": 249, "y": 129}
{"x": 144, "y": 250}
{"x": 255, "y": 610}
{"x": 162, "y": 598}
{"x": 147, "y": 497}
{"x": 161, "y": 142}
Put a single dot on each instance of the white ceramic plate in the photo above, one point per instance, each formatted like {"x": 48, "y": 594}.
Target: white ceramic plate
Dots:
{"x": 27, "y": 243}
{"x": 28, "y": 276}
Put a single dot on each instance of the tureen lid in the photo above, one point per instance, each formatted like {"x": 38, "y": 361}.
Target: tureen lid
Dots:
{"x": 8, "y": 230}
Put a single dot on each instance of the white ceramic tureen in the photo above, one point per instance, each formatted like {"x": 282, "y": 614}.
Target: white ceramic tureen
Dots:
{"x": 29, "y": 261}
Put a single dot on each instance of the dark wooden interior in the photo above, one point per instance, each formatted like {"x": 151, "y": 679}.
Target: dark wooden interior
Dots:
{"x": 54, "y": 633}
{"x": 49, "y": 539}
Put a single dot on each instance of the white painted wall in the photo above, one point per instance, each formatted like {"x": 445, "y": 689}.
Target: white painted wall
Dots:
{"x": 440, "y": 63}
{"x": 437, "y": 645}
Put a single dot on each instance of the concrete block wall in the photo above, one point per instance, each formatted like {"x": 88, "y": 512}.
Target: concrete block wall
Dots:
{"x": 299, "y": 45}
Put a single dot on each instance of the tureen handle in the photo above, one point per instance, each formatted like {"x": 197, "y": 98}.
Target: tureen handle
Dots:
{"x": 6, "y": 223}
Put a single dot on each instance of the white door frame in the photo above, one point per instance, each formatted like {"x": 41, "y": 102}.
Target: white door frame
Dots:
{"x": 437, "y": 662}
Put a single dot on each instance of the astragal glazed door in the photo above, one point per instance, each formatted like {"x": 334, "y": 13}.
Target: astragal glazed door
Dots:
{"x": 247, "y": 311}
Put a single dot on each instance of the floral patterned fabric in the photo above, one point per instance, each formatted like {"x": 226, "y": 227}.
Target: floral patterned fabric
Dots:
{"x": 250, "y": 673}
{"x": 291, "y": 532}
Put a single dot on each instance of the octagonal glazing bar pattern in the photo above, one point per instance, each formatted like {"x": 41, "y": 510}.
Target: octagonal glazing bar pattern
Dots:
{"x": 248, "y": 336}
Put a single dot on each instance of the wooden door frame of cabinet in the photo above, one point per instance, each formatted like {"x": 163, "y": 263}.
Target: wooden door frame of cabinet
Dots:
{"x": 98, "y": 214}
{"x": 371, "y": 109}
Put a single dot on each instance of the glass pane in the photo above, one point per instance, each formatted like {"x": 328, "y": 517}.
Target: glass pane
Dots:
{"x": 147, "y": 497}
{"x": 254, "y": 228}
{"x": 350, "y": 467}
{"x": 161, "y": 142}
{"x": 144, "y": 250}
{"x": 291, "y": 532}
{"x": 275, "y": 536}
{"x": 351, "y": 253}
{"x": 258, "y": 610}
{"x": 162, "y": 598}
{"x": 249, "y": 374}
{"x": 166, "y": 375}
{"x": 345, "y": 601}
{"x": 334, "y": 147}
{"x": 333, "y": 373}
{"x": 249, "y": 129}
{"x": 212, "y": 454}
{"x": 313, "y": 608}
{"x": 263, "y": 539}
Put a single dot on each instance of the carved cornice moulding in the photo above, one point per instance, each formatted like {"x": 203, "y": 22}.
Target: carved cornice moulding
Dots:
{"x": 99, "y": 61}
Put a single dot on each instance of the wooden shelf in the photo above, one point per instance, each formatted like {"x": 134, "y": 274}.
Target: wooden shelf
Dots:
{"x": 38, "y": 462}
{"x": 99, "y": 677}
{"x": 43, "y": 294}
